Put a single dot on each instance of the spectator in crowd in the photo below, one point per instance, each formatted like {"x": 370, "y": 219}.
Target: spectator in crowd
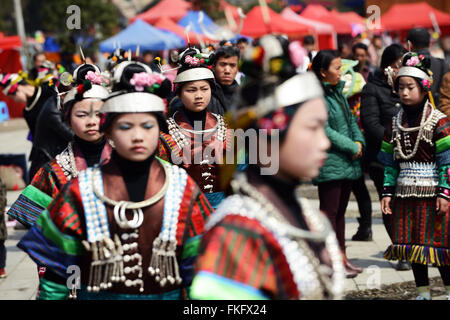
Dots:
{"x": 147, "y": 57}
{"x": 345, "y": 52}
{"x": 347, "y": 143}
{"x": 242, "y": 44}
{"x": 354, "y": 83}
{"x": 361, "y": 53}
{"x": 444, "y": 100}
{"x": 38, "y": 60}
{"x": 309, "y": 43}
{"x": 225, "y": 67}
{"x": 379, "y": 103}
{"x": 445, "y": 44}
{"x": 3, "y": 230}
{"x": 419, "y": 41}
{"x": 376, "y": 50}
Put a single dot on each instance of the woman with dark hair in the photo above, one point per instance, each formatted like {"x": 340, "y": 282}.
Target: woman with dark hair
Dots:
{"x": 264, "y": 241}
{"x": 131, "y": 225}
{"x": 416, "y": 154}
{"x": 81, "y": 108}
{"x": 342, "y": 166}
{"x": 379, "y": 103}
{"x": 197, "y": 138}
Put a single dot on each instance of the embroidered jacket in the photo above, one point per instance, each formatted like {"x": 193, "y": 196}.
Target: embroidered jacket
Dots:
{"x": 417, "y": 160}
{"x": 247, "y": 254}
{"x": 205, "y": 151}
{"x": 72, "y": 227}
{"x": 47, "y": 183}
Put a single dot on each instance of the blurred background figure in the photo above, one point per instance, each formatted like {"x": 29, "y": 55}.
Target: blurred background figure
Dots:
{"x": 3, "y": 230}
{"x": 38, "y": 60}
{"x": 379, "y": 103}
{"x": 419, "y": 40}
{"x": 360, "y": 53}
{"x": 242, "y": 44}
{"x": 345, "y": 51}
{"x": 376, "y": 50}
{"x": 342, "y": 165}
{"x": 309, "y": 43}
{"x": 147, "y": 57}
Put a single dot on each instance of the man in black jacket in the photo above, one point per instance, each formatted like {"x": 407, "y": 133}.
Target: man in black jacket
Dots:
{"x": 52, "y": 135}
{"x": 419, "y": 41}
{"x": 225, "y": 67}
{"x": 49, "y": 133}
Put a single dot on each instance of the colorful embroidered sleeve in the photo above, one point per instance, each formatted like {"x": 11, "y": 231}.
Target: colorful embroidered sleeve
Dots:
{"x": 36, "y": 196}
{"x": 234, "y": 263}
{"x": 195, "y": 227}
{"x": 386, "y": 157}
{"x": 168, "y": 149}
{"x": 54, "y": 241}
{"x": 442, "y": 138}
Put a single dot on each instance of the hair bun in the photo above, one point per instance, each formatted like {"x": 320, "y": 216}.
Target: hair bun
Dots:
{"x": 420, "y": 61}
{"x": 133, "y": 76}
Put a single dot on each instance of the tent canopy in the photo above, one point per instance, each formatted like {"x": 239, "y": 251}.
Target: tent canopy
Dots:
{"x": 320, "y": 13}
{"x": 10, "y": 42}
{"x": 192, "y": 18}
{"x": 254, "y": 25}
{"x": 144, "y": 35}
{"x": 224, "y": 6}
{"x": 167, "y": 24}
{"x": 326, "y": 36}
{"x": 173, "y": 9}
{"x": 319, "y": 27}
{"x": 351, "y": 17}
{"x": 410, "y": 15}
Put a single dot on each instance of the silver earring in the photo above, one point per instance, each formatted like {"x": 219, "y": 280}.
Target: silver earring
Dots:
{"x": 111, "y": 143}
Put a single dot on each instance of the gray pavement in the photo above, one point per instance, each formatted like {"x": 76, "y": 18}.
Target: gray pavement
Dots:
{"x": 22, "y": 280}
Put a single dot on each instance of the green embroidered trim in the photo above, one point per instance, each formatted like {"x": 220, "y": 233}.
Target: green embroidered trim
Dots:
{"x": 50, "y": 290}
{"x": 68, "y": 244}
{"x": 390, "y": 176}
{"x": 36, "y": 195}
{"x": 191, "y": 247}
{"x": 212, "y": 287}
{"x": 444, "y": 177}
{"x": 387, "y": 147}
{"x": 443, "y": 144}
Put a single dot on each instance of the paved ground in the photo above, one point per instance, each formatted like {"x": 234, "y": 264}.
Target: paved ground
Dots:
{"x": 22, "y": 279}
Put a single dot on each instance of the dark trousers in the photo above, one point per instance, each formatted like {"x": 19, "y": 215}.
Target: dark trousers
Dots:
{"x": 420, "y": 272}
{"x": 362, "y": 196}
{"x": 376, "y": 173}
{"x": 334, "y": 196}
{"x": 2, "y": 254}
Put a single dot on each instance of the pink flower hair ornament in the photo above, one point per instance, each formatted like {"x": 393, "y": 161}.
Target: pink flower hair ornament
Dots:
{"x": 192, "y": 61}
{"x": 426, "y": 84}
{"x": 93, "y": 77}
{"x": 146, "y": 81}
{"x": 413, "y": 61}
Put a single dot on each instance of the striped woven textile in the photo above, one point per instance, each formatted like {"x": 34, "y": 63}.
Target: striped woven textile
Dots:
{"x": 38, "y": 194}
{"x": 239, "y": 259}
{"x": 419, "y": 234}
{"x": 49, "y": 247}
{"x": 54, "y": 241}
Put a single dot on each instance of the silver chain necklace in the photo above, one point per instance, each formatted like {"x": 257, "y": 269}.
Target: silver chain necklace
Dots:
{"x": 66, "y": 160}
{"x": 425, "y": 132}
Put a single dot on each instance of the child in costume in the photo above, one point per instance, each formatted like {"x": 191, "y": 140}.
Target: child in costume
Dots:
{"x": 197, "y": 138}
{"x": 415, "y": 152}
{"x": 264, "y": 242}
{"x": 132, "y": 225}
{"x": 81, "y": 108}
